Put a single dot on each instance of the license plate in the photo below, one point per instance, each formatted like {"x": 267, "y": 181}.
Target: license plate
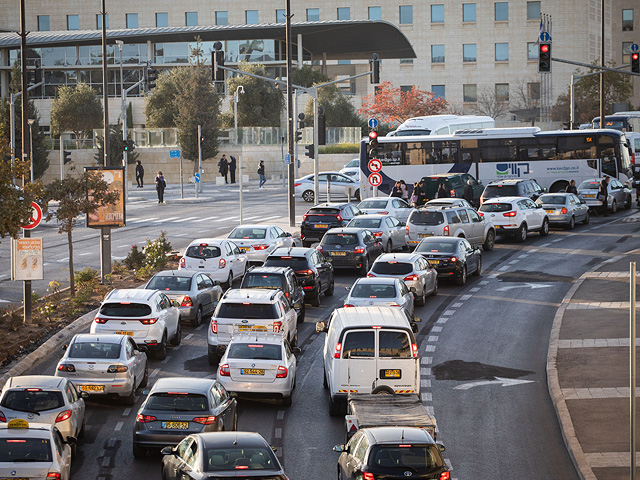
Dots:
{"x": 425, "y": 235}
{"x": 338, "y": 254}
{"x": 321, "y": 225}
{"x": 550, "y": 211}
{"x": 433, "y": 262}
{"x": 92, "y": 388}
{"x": 176, "y": 425}
{"x": 244, "y": 249}
{"x": 497, "y": 226}
{"x": 589, "y": 195}
{"x": 252, "y": 371}
{"x": 391, "y": 373}
{"x": 252, "y": 328}
{"x": 124, "y": 333}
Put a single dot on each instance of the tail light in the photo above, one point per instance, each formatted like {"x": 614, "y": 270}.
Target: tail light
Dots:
{"x": 117, "y": 369}
{"x": 145, "y": 418}
{"x": 100, "y": 320}
{"x": 414, "y": 349}
{"x": 319, "y": 248}
{"x": 282, "y": 372}
{"x": 336, "y": 354}
{"x": 277, "y": 327}
{"x": 260, "y": 246}
{"x": 64, "y": 415}
{"x": 358, "y": 250}
{"x": 66, "y": 367}
{"x": 224, "y": 370}
{"x": 183, "y": 263}
{"x": 445, "y": 476}
{"x": 348, "y": 305}
{"x": 512, "y": 213}
{"x": 149, "y": 321}
{"x": 368, "y": 476}
{"x": 222, "y": 263}
{"x": 304, "y": 217}
{"x": 186, "y": 301}
{"x": 382, "y": 213}
{"x": 395, "y": 305}
{"x": 339, "y": 217}
{"x": 2, "y": 417}
{"x": 205, "y": 420}
{"x": 446, "y": 231}
{"x": 453, "y": 259}
{"x": 452, "y": 193}
{"x": 371, "y": 274}
{"x": 406, "y": 229}
{"x": 481, "y": 214}
{"x": 54, "y": 476}
{"x": 564, "y": 210}
{"x": 297, "y": 184}
{"x": 411, "y": 278}
{"x": 304, "y": 272}
{"x": 377, "y": 234}
{"x": 214, "y": 326}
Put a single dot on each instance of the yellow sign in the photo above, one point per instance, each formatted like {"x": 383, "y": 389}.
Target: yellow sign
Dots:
{"x": 110, "y": 215}
{"x": 18, "y": 423}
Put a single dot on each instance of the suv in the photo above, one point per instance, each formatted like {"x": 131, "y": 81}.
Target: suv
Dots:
{"x": 516, "y": 216}
{"x": 453, "y": 182}
{"x": 516, "y": 187}
{"x": 312, "y": 267}
{"x": 450, "y": 221}
{"x": 281, "y": 278}
{"x": 324, "y": 216}
{"x": 245, "y": 310}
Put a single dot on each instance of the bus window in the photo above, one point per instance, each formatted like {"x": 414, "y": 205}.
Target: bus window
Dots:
{"x": 571, "y": 148}
{"x": 607, "y": 155}
{"x": 493, "y": 151}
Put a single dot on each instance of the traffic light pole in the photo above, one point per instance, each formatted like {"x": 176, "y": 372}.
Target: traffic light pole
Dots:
{"x": 199, "y": 157}
{"x": 290, "y": 119}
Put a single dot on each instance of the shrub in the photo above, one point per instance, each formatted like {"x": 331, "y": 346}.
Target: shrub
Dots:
{"x": 156, "y": 252}
{"x": 340, "y": 148}
{"x": 135, "y": 259}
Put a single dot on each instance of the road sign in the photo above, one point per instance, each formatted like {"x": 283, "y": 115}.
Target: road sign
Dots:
{"x": 287, "y": 159}
{"x": 375, "y": 165}
{"x": 634, "y": 47}
{"x": 174, "y": 153}
{"x": 36, "y": 217}
{"x": 373, "y": 123}
{"x": 197, "y": 177}
{"x": 545, "y": 37}
{"x": 375, "y": 179}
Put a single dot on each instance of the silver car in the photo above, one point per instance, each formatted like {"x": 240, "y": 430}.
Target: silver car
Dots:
{"x": 381, "y": 292}
{"x": 396, "y": 207}
{"x": 564, "y": 209}
{"x": 258, "y": 241}
{"x": 413, "y": 269}
{"x": 618, "y": 194}
{"x": 105, "y": 365}
{"x": 388, "y": 230}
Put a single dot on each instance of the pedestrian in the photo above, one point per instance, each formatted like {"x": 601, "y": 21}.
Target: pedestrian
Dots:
{"x": 468, "y": 192}
{"x": 603, "y": 195}
{"x": 161, "y": 184}
{"x": 263, "y": 179}
{"x": 413, "y": 200}
{"x": 571, "y": 188}
{"x": 232, "y": 169}
{"x": 396, "y": 191}
{"x": 223, "y": 168}
{"x": 422, "y": 196}
{"x": 442, "y": 192}
{"x": 140, "y": 174}
{"x": 405, "y": 191}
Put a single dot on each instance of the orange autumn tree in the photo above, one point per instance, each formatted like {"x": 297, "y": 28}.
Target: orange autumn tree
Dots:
{"x": 391, "y": 105}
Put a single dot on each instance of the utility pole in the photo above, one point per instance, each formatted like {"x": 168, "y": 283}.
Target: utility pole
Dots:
{"x": 105, "y": 232}
{"x": 290, "y": 119}
{"x": 602, "y": 63}
{"x": 632, "y": 364}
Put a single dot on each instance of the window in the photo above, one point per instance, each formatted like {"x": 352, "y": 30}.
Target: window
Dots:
{"x": 437, "y": 53}
{"x": 502, "y": 52}
{"x": 405, "y": 88}
{"x": 99, "y": 21}
{"x": 438, "y": 91}
{"x": 375, "y": 13}
{"x": 532, "y": 51}
{"x": 406, "y": 61}
{"x": 502, "y": 92}
{"x": 468, "y": 12}
{"x": 359, "y": 344}
{"x": 162, "y": 19}
{"x": 73, "y": 22}
{"x": 469, "y": 52}
{"x": 437, "y": 13}
{"x": 627, "y": 20}
{"x": 626, "y": 52}
{"x": 502, "y": 11}
{"x": 313, "y": 14}
{"x": 222, "y": 18}
{"x": 344, "y": 13}
{"x": 394, "y": 344}
{"x": 43, "y": 23}
{"x": 281, "y": 15}
{"x": 406, "y": 14}
{"x": 533, "y": 10}
{"x": 251, "y": 17}
{"x": 470, "y": 93}
{"x": 132, "y": 20}
{"x": 191, "y": 19}
{"x": 533, "y": 90}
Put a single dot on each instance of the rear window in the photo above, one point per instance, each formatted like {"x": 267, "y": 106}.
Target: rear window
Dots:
{"x": 203, "y": 251}
{"x": 589, "y": 186}
{"x": 340, "y": 239}
{"x": 373, "y": 204}
{"x": 492, "y": 191}
{"x": 426, "y": 218}
{"x": 94, "y": 350}
{"x": 262, "y": 280}
{"x": 432, "y": 246}
{"x": 177, "y": 402}
{"x": 321, "y": 218}
{"x": 30, "y": 401}
{"x": 125, "y": 309}
{"x": 248, "y": 233}
{"x": 323, "y": 211}
{"x": 296, "y": 263}
{"x": 25, "y": 450}
{"x": 495, "y": 207}
{"x": 431, "y": 185}
{"x": 364, "y": 222}
{"x": 255, "y": 351}
{"x": 392, "y": 268}
{"x": 418, "y": 457}
{"x": 368, "y": 290}
{"x": 359, "y": 344}
{"x": 552, "y": 200}
{"x": 242, "y": 459}
{"x": 247, "y": 310}
{"x": 394, "y": 344}
{"x": 171, "y": 283}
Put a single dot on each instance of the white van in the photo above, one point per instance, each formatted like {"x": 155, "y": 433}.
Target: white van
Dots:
{"x": 369, "y": 350}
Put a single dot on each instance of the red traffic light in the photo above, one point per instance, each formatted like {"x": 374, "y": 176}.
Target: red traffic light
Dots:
{"x": 202, "y": 139}
{"x": 544, "y": 48}
{"x": 373, "y": 135}
{"x": 635, "y": 56}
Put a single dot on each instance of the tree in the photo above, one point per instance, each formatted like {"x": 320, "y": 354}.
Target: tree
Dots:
{"x": 338, "y": 109}
{"x": 307, "y": 77}
{"x": 526, "y": 100}
{"x": 261, "y": 103}
{"x": 116, "y": 148}
{"x": 77, "y": 196}
{"x": 161, "y": 108}
{"x": 76, "y": 109}
{"x": 391, "y": 105}
{"x": 490, "y": 104}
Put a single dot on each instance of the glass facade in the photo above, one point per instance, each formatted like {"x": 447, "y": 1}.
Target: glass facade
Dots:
{"x": 502, "y": 52}
{"x": 468, "y": 12}
{"x": 43, "y": 23}
{"x": 132, "y": 20}
{"x": 626, "y": 52}
{"x": 532, "y": 51}
{"x": 191, "y": 19}
{"x": 251, "y": 17}
{"x": 502, "y": 92}
{"x": 281, "y": 16}
{"x": 99, "y": 21}
{"x": 344, "y": 13}
{"x": 73, "y": 22}
{"x": 437, "y": 13}
{"x": 470, "y": 93}
{"x": 438, "y": 91}
{"x": 375, "y": 13}
{"x": 533, "y": 10}
{"x": 627, "y": 20}
{"x": 406, "y": 14}
{"x": 469, "y": 52}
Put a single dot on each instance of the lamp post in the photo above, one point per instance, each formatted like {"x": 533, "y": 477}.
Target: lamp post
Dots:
{"x": 123, "y": 116}
{"x": 240, "y": 89}
{"x": 31, "y": 122}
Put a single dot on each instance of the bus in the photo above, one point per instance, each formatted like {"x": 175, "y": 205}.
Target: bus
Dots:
{"x": 552, "y": 158}
{"x": 441, "y": 125}
{"x": 623, "y": 121}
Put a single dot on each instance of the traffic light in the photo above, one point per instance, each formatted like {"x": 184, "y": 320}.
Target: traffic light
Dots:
{"x": 217, "y": 60}
{"x": 310, "y": 151}
{"x": 202, "y": 141}
{"x": 298, "y": 136}
{"x": 322, "y": 130}
{"x": 373, "y": 143}
{"x": 129, "y": 146}
{"x": 374, "y": 63}
{"x": 66, "y": 154}
{"x": 152, "y": 76}
{"x": 635, "y": 62}
{"x": 544, "y": 58}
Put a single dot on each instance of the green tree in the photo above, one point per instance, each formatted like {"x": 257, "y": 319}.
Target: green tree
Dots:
{"x": 338, "y": 109}
{"x": 77, "y": 196}
{"x": 261, "y": 103}
{"x": 76, "y": 109}
{"x": 116, "y": 148}
{"x": 307, "y": 77}
{"x": 161, "y": 108}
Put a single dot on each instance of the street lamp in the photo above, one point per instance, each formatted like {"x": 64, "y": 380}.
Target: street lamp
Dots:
{"x": 31, "y": 122}
{"x": 123, "y": 117}
{"x": 240, "y": 89}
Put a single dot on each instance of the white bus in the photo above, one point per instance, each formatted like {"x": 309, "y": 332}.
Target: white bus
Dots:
{"x": 441, "y": 125}
{"x": 623, "y": 121}
{"x": 551, "y": 158}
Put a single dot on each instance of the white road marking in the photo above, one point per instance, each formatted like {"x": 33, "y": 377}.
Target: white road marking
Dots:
{"x": 557, "y": 240}
{"x": 475, "y": 289}
{"x": 227, "y": 219}
{"x": 126, "y": 412}
{"x": 119, "y": 426}
{"x": 430, "y": 410}
{"x": 430, "y": 348}
{"x": 425, "y": 382}
{"x": 457, "y": 305}
{"x": 178, "y": 234}
{"x": 426, "y": 360}
{"x": 143, "y": 220}
{"x": 493, "y": 275}
{"x": 432, "y": 338}
{"x": 200, "y": 327}
{"x": 106, "y": 461}
{"x": 448, "y": 312}
{"x": 166, "y": 359}
{"x": 534, "y": 250}
{"x": 155, "y": 373}
{"x": 505, "y": 382}
{"x": 545, "y": 244}
{"x": 442, "y": 320}
{"x": 6, "y": 276}
{"x": 280, "y": 415}
{"x": 436, "y": 329}
{"x": 524, "y": 255}
{"x": 271, "y": 218}
{"x": 188, "y": 336}
{"x": 204, "y": 219}
{"x": 180, "y": 220}
{"x": 484, "y": 282}
{"x": 503, "y": 268}
{"x": 426, "y": 372}
{"x": 513, "y": 262}
{"x": 162, "y": 220}
{"x": 466, "y": 297}
{"x": 278, "y": 433}
{"x": 85, "y": 253}
{"x": 426, "y": 397}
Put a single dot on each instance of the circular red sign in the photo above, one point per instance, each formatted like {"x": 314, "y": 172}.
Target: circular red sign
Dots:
{"x": 36, "y": 217}
{"x": 375, "y": 165}
{"x": 375, "y": 179}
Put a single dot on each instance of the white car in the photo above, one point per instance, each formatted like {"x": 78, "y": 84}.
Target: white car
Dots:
{"x": 394, "y": 206}
{"x": 388, "y": 230}
{"x": 259, "y": 365}
{"x": 219, "y": 258}
{"x": 515, "y": 216}
{"x": 111, "y": 365}
{"x": 380, "y": 292}
{"x": 340, "y": 184}
{"x": 258, "y": 241}
{"x": 148, "y": 316}
{"x": 446, "y": 202}
{"x": 352, "y": 169}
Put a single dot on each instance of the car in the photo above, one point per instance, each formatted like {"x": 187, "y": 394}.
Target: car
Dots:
{"x": 219, "y": 258}
{"x": 564, "y": 209}
{"x": 180, "y": 406}
{"x": 105, "y": 365}
{"x": 412, "y": 269}
{"x": 259, "y": 365}
{"x": 322, "y": 217}
{"x": 351, "y": 247}
{"x": 340, "y": 186}
{"x": 446, "y": 202}
{"x": 391, "y": 452}
{"x": 515, "y": 216}
{"x": 246, "y": 310}
{"x": 454, "y": 183}
{"x": 223, "y": 456}
{"x": 453, "y": 258}
{"x": 450, "y": 221}
{"x": 516, "y": 187}
{"x": 619, "y": 195}
{"x": 381, "y": 291}
{"x": 388, "y": 230}
{"x": 34, "y": 450}
{"x": 281, "y": 278}
{"x": 196, "y": 293}
{"x": 48, "y": 399}
{"x": 313, "y": 270}
{"x": 258, "y": 241}
{"x": 396, "y": 207}
{"x": 352, "y": 169}
{"x": 146, "y": 315}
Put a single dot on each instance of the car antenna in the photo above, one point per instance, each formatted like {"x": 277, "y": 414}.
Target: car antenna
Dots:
{"x": 402, "y": 439}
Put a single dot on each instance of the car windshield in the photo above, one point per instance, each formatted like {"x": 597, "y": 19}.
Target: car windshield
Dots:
{"x": 433, "y": 246}
{"x": 125, "y": 309}
{"x": 431, "y": 185}
{"x": 162, "y": 282}
{"x": 493, "y": 191}
{"x": 419, "y": 217}
{"x": 418, "y": 457}
{"x": 364, "y": 222}
{"x": 392, "y": 268}
{"x": 248, "y": 233}
{"x": 296, "y": 263}
{"x": 593, "y": 185}
{"x": 373, "y": 204}
{"x": 262, "y": 280}
{"x": 495, "y": 207}
{"x": 255, "y": 351}
{"x": 239, "y": 458}
{"x": 340, "y": 239}
{"x": 25, "y": 450}
{"x": 353, "y": 163}
{"x": 264, "y": 311}
{"x": 94, "y": 350}
{"x": 552, "y": 200}
{"x": 203, "y": 251}
{"x": 177, "y": 401}
{"x": 368, "y": 290}
{"x": 32, "y": 400}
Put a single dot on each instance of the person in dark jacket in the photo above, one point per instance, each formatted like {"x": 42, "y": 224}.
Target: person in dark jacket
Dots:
{"x": 223, "y": 168}
{"x": 396, "y": 191}
{"x": 140, "y": 174}
{"x": 571, "y": 188}
{"x": 468, "y": 192}
{"x": 442, "y": 192}
{"x": 232, "y": 169}
{"x": 422, "y": 198}
{"x": 603, "y": 195}
{"x": 160, "y": 186}
{"x": 263, "y": 179}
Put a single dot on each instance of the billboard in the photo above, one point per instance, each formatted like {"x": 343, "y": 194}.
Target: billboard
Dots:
{"x": 27, "y": 259}
{"x": 110, "y": 215}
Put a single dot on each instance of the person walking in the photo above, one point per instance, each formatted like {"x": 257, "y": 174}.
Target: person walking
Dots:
{"x": 468, "y": 192}
{"x": 404, "y": 191}
{"x": 413, "y": 200}
{"x": 603, "y": 195}
{"x": 140, "y": 174}
{"x": 396, "y": 191}
{"x": 232, "y": 169}
{"x": 571, "y": 188}
{"x": 263, "y": 179}
{"x": 442, "y": 192}
{"x": 161, "y": 184}
{"x": 422, "y": 197}
{"x": 223, "y": 168}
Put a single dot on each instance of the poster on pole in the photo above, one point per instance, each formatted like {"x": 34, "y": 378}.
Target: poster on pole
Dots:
{"x": 27, "y": 259}
{"x": 110, "y": 215}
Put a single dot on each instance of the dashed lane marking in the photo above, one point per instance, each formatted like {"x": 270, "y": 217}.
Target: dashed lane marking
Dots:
{"x": 278, "y": 433}
{"x": 126, "y": 412}
{"x": 448, "y": 312}
{"x": 436, "y": 329}
{"x": 155, "y": 372}
{"x": 119, "y": 426}
{"x": 457, "y": 305}
{"x": 204, "y": 219}
{"x": 425, "y": 382}
{"x": 162, "y": 220}
{"x": 432, "y": 338}
{"x": 430, "y": 348}
{"x": 465, "y": 297}
{"x": 280, "y": 415}
{"x": 106, "y": 461}
{"x": 442, "y": 320}
{"x": 200, "y": 327}
{"x": 502, "y": 269}
{"x": 484, "y": 282}
{"x": 227, "y": 219}
{"x": 188, "y": 336}
{"x": 426, "y": 360}
{"x": 166, "y": 359}
{"x": 426, "y": 397}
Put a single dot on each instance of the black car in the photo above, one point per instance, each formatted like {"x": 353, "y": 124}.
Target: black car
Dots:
{"x": 515, "y": 187}
{"x": 455, "y": 184}
{"x": 281, "y": 278}
{"x": 390, "y": 453}
{"x": 452, "y": 257}
{"x": 313, "y": 270}
{"x": 324, "y": 216}
{"x": 351, "y": 247}
{"x": 222, "y": 455}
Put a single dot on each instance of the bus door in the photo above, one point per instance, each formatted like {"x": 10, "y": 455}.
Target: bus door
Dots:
{"x": 607, "y": 155}
{"x": 470, "y": 157}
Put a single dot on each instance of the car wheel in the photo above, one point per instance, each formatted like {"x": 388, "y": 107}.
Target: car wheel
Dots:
{"x": 462, "y": 279}
{"x": 213, "y": 359}
{"x": 329, "y": 291}
{"x": 490, "y": 241}
{"x": 357, "y": 195}
{"x": 389, "y": 247}
{"x": 198, "y": 319}
{"x": 175, "y": 341}
{"x": 544, "y": 231}
{"x": 614, "y": 206}
{"x": 587, "y": 219}
{"x": 161, "y": 353}
{"x": 130, "y": 400}
{"x": 315, "y": 301}
{"x": 627, "y": 204}
{"x": 479, "y": 269}
{"x": 521, "y": 236}
{"x": 145, "y": 378}
{"x": 74, "y": 450}
{"x": 422, "y": 299}
{"x": 139, "y": 452}
{"x": 325, "y": 384}
{"x": 307, "y": 196}
{"x": 294, "y": 341}
{"x": 364, "y": 269}
{"x": 435, "y": 288}
{"x": 229, "y": 280}
{"x": 302, "y": 313}
{"x": 572, "y": 223}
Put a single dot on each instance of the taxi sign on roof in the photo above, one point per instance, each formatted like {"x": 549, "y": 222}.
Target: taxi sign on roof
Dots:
{"x": 18, "y": 423}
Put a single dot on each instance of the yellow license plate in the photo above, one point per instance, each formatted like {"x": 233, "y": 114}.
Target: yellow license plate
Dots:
{"x": 550, "y": 211}
{"x": 124, "y": 333}
{"x": 321, "y": 225}
{"x": 338, "y": 254}
{"x": 589, "y": 195}
{"x": 394, "y": 373}
{"x": 252, "y": 371}
{"x": 92, "y": 388}
{"x": 176, "y": 425}
{"x": 252, "y": 328}
{"x": 244, "y": 249}
{"x": 433, "y": 262}
{"x": 425, "y": 235}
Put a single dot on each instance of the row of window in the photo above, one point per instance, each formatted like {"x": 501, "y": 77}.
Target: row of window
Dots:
{"x": 470, "y": 52}
{"x": 470, "y": 91}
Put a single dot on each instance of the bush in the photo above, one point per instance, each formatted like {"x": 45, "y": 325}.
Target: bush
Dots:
{"x": 156, "y": 252}
{"x": 135, "y": 259}
{"x": 340, "y": 148}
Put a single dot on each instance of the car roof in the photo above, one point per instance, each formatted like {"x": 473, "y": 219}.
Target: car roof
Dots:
{"x": 330, "y": 205}
{"x": 400, "y": 257}
{"x": 188, "y": 384}
{"x": 594, "y": 180}
{"x": 379, "y": 197}
{"x": 253, "y": 225}
{"x": 262, "y": 337}
{"x": 398, "y": 435}
{"x": 257, "y": 295}
{"x": 137, "y": 294}
{"x": 6, "y": 431}
{"x": 346, "y": 230}
{"x": 442, "y": 238}
{"x": 371, "y": 315}
{"x": 48, "y": 382}
{"x": 176, "y": 273}
{"x": 270, "y": 270}
{"x": 510, "y": 181}
{"x": 505, "y": 199}
{"x": 292, "y": 252}
{"x": 99, "y": 338}
{"x": 209, "y": 241}
{"x": 232, "y": 439}
{"x": 444, "y": 175}
{"x": 376, "y": 280}
{"x": 375, "y": 216}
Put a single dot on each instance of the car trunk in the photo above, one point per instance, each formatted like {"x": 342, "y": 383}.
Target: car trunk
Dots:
{"x": 175, "y": 412}
{"x": 91, "y": 370}
{"x": 245, "y": 317}
{"x": 125, "y": 326}
{"x": 251, "y": 370}
{"x": 342, "y": 245}
{"x": 44, "y": 405}
{"x": 30, "y": 471}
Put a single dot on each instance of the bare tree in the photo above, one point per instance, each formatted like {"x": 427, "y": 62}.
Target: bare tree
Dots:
{"x": 525, "y": 100}
{"x": 490, "y": 104}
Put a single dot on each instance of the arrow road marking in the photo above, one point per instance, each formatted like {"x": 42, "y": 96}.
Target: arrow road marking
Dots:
{"x": 505, "y": 382}
{"x": 529, "y": 285}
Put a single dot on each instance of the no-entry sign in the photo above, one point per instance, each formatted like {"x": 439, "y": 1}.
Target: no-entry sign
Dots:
{"x": 35, "y": 218}
{"x": 375, "y": 179}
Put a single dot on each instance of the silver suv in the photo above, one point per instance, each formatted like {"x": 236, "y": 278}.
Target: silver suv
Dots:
{"x": 450, "y": 221}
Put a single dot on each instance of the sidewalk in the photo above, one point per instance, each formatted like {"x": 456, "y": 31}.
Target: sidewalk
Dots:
{"x": 588, "y": 371}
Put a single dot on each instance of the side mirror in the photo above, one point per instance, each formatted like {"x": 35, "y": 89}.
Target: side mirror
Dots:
{"x": 347, "y": 288}
{"x": 417, "y": 319}
{"x": 402, "y": 224}
{"x": 339, "y": 448}
{"x": 168, "y": 451}
{"x": 287, "y": 234}
{"x": 64, "y": 347}
{"x": 414, "y": 327}
{"x": 84, "y": 395}
{"x": 296, "y": 350}
{"x": 275, "y": 449}
{"x": 441, "y": 447}
{"x": 143, "y": 348}
{"x": 233, "y": 394}
{"x": 71, "y": 440}
{"x": 321, "y": 327}
{"x": 175, "y": 303}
